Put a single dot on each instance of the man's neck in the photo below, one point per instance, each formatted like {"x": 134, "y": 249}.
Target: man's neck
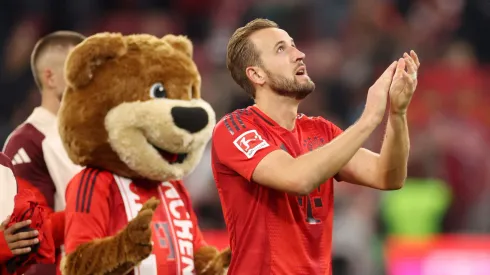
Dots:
{"x": 50, "y": 102}
{"x": 283, "y": 110}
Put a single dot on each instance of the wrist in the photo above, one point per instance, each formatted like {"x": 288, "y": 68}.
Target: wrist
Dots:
{"x": 398, "y": 115}
{"x": 369, "y": 123}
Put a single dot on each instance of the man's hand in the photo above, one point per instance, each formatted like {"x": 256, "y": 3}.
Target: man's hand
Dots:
{"x": 378, "y": 96}
{"x": 19, "y": 243}
{"x": 404, "y": 83}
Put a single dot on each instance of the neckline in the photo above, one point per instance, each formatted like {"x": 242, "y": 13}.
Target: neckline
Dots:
{"x": 271, "y": 121}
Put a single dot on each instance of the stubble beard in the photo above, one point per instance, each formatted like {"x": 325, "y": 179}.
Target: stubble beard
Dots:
{"x": 290, "y": 87}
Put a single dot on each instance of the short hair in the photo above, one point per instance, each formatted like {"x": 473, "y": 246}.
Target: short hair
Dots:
{"x": 61, "y": 38}
{"x": 241, "y": 52}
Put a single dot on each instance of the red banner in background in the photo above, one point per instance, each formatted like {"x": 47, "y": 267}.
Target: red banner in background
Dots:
{"x": 441, "y": 255}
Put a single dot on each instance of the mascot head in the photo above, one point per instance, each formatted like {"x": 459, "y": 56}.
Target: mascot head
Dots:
{"x": 133, "y": 106}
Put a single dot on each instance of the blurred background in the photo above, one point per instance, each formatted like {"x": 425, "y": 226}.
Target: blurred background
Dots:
{"x": 439, "y": 223}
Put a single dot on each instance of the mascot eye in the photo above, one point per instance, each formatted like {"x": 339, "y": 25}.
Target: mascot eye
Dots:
{"x": 158, "y": 91}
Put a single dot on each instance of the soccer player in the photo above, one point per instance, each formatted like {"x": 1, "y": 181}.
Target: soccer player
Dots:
{"x": 274, "y": 168}
{"x": 35, "y": 147}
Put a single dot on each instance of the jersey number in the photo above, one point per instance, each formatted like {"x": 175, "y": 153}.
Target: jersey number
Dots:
{"x": 164, "y": 238}
{"x": 309, "y": 210}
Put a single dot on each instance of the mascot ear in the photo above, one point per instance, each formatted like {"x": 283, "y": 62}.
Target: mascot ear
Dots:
{"x": 91, "y": 53}
{"x": 179, "y": 42}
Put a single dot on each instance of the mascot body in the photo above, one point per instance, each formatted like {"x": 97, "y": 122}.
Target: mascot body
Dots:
{"x": 132, "y": 115}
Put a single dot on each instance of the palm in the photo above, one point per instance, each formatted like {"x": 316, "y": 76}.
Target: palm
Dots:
{"x": 404, "y": 83}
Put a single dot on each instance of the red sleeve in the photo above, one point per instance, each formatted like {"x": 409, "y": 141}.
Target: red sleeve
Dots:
{"x": 87, "y": 208}
{"x": 5, "y": 252}
{"x": 24, "y": 148}
{"x": 241, "y": 150}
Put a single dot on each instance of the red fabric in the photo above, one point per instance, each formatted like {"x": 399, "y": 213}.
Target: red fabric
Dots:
{"x": 5, "y": 252}
{"x": 95, "y": 209}
{"x": 58, "y": 226}
{"x": 272, "y": 232}
{"x": 26, "y": 207}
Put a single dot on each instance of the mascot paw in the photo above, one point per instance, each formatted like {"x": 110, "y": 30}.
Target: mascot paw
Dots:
{"x": 225, "y": 257}
{"x": 139, "y": 229}
{"x": 138, "y": 233}
{"x": 209, "y": 261}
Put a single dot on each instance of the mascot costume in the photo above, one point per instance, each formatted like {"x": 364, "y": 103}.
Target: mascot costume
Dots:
{"x": 133, "y": 116}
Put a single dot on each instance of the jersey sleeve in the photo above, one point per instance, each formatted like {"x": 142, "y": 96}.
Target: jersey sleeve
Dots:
{"x": 25, "y": 151}
{"x": 240, "y": 150}
{"x": 87, "y": 208}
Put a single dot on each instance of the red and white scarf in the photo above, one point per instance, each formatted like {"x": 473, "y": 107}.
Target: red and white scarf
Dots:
{"x": 172, "y": 228}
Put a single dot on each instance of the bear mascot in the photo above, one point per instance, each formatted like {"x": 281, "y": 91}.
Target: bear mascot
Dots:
{"x": 133, "y": 117}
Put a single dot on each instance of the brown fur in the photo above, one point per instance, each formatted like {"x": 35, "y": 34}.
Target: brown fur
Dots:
{"x": 109, "y": 120}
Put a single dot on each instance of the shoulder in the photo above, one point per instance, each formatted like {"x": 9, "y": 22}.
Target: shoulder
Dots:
{"x": 89, "y": 185}
{"x": 26, "y": 137}
{"x": 315, "y": 120}
{"x": 236, "y": 122}
{"x": 316, "y": 123}
{"x": 91, "y": 178}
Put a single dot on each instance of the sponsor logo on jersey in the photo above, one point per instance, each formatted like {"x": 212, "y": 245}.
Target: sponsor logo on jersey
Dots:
{"x": 250, "y": 142}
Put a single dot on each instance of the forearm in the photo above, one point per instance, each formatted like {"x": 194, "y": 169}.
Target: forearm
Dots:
{"x": 392, "y": 165}
{"x": 319, "y": 165}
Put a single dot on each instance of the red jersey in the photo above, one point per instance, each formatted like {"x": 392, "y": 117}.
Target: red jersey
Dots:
{"x": 272, "y": 232}
{"x": 96, "y": 208}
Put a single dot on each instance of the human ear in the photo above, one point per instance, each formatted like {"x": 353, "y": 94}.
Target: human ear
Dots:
{"x": 255, "y": 75}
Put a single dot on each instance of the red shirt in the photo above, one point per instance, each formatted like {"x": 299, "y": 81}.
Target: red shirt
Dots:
{"x": 272, "y": 232}
{"x": 95, "y": 209}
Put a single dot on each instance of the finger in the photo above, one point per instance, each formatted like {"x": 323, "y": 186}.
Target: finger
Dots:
{"x": 24, "y": 235}
{"x": 152, "y": 204}
{"x": 5, "y": 223}
{"x": 391, "y": 69}
{"x": 23, "y": 243}
{"x": 411, "y": 68}
{"x": 17, "y": 226}
{"x": 145, "y": 218}
{"x": 409, "y": 80}
{"x": 388, "y": 73}
{"x": 415, "y": 58}
{"x": 400, "y": 68}
{"x": 20, "y": 251}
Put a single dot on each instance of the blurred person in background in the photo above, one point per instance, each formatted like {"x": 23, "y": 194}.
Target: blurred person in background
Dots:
{"x": 11, "y": 243}
{"x": 274, "y": 168}
{"x": 35, "y": 148}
